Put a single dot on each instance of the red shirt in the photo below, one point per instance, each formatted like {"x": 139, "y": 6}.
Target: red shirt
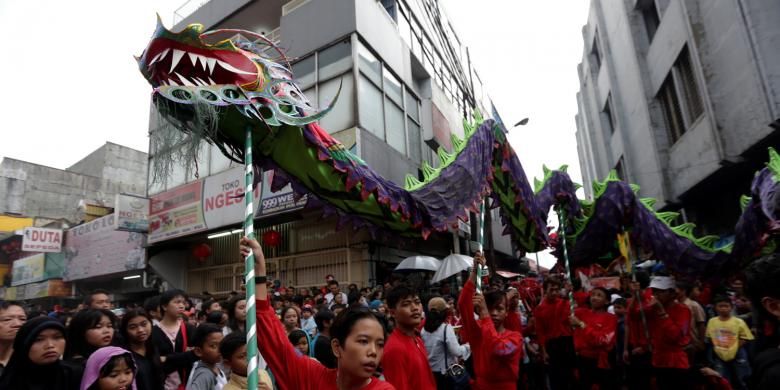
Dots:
{"x": 293, "y": 371}
{"x": 636, "y": 330}
{"x": 496, "y": 355}
{"x": 552, "y": 319}
{"x": 405, "y": 363}
{"x": 582, "y": 298}
{"x": 668, "y": 335}
{"x": 598, "y": 338}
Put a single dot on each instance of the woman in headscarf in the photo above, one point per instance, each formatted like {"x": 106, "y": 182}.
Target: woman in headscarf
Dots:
{"x": 109, "y": 368}
{"x": 35, "y": 363}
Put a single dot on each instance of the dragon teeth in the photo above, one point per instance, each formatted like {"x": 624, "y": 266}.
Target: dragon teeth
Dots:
{"x": 193, "y": 59}
{"x": 177, "y": 54}
{"x": 172, "y": 82}
{"x": 232, "y": 68}
{"x": 212, "y": 81}
{"x": 211, "y": 63}
{"x": 185, "y": 81}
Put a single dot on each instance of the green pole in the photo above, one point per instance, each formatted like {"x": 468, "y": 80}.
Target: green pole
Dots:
{"x": 480, "y": 241}
{"x": 249, "y": 265}
{"x": 562, "y": 229}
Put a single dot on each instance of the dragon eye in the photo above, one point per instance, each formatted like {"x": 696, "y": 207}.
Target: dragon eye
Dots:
{"x": 208, "y": 95}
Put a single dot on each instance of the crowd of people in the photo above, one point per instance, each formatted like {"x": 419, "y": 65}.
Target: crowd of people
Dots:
{"x": 650, "y": 332}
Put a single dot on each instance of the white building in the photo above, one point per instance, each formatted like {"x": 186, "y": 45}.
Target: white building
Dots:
{"x": 682, "y": 98}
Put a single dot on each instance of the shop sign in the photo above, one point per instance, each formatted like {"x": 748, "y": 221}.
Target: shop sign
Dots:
{"x": 49, "y": 288}
{"x": 176, "y": 213}
{"x": 214, "y": 202}
{"x": 96, "y": 248}
{"x": 223, "y": 198}
{"x": 28, "y": 270}
{"x": 41, "y": 240}
{"x": 278, "y": 202}
{"x": 132, "y": 213}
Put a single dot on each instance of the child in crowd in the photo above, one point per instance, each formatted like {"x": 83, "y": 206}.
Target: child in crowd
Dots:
{"x": 109, "y": 368}
{"x": 307, "y": 322}
{"x": 621, "y": 342}
{"x": 233, "y": 351}
{"x": 594, "y": 340}
{"x": 206, "y": 375}
{"x": 727, "y": 335}
{"x": 497, "y": 348}
{"x": 555, "y": 336}
{"x": 300, "y": 341}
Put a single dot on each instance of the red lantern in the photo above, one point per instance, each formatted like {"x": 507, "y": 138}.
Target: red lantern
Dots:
{"x": 201, "y": 251}
{"x": 272, "y": 238}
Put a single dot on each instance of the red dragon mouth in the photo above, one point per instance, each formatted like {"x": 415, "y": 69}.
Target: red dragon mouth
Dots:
{"x": 173, "y": 63}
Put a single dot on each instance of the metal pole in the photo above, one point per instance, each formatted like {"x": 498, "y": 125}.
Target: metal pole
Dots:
{"x": 249, "y": 265}
{"x": 562, "y": 233}
{"x": 480, "y": 241}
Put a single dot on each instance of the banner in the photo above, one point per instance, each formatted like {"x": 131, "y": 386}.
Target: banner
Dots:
{"x": 41, "y": 240}
{"x": 278, "y": 202}
{"x": 223, "y": 198}
{"x": 28, "y": 270}
{"x": 176, "y": 213}
{"x": 96, "y": 248}
{"x": 132, "y": 213}
{"x": 49, "y": 288}
{"x": 214, "y": 202}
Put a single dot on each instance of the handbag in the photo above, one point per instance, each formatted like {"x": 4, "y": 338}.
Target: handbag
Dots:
{"x": 460, "y": 377}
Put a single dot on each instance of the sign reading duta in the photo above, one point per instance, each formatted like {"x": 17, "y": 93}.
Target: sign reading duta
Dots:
{"x": 41, "y": 240}
{"x": 132, "y": 213}
{"x": 96, "y": 248}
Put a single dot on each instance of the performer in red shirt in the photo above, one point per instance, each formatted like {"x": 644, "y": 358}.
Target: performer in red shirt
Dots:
{"x": 636, "y": 354}
{"x": 594, "y": 340}
{"x": 406, "y": 360}
{"x": 669, "y": 324}
{"x": 496, "y": 350}
{"x": 553, "y": 331}
{"x": 357, "y": 339}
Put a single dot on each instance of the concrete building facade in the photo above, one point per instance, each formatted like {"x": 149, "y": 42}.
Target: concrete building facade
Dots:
{"x": 35, "y": 190}
{"x": 682, "y": 98}
{"x": 406, "y": 85}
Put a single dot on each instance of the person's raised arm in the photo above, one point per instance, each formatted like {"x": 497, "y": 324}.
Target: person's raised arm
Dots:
{"x": 272, "y": 342}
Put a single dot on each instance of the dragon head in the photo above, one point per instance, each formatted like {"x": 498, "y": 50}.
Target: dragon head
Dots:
{"x": 223, "y": 68}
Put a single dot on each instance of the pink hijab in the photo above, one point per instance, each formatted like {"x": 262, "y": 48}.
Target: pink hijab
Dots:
{"x": 97, "y": 360}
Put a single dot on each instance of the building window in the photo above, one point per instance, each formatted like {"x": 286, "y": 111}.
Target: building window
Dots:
{"x": 342, "y": 115}
{"x": 680, "y": 98}
{"x": 667, "y": 96}
{"x": 608, "y": 114}
{"x": 620, "y": 168}
{"x": 693, "y": 103}
{"x": 370, "y": 106}
{"x": 651, "y": 18}
{"x": 595, "y": 53}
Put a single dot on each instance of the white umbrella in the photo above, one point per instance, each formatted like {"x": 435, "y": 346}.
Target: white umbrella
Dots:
{"x": 451, "y": 265}
{"x": 422, "y": 263}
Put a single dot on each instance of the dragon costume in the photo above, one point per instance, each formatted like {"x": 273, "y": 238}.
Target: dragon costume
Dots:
{"x": 218, "y": 84}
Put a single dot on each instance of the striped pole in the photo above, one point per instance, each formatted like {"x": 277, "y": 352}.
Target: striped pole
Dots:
{"x": 249, "y": 265}
{"x": 562, "y": 234}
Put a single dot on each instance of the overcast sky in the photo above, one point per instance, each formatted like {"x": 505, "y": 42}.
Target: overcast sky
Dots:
{"x": 70, "y": 82}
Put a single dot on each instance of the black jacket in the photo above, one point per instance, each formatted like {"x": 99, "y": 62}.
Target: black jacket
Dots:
{"x": 177, "y": 358}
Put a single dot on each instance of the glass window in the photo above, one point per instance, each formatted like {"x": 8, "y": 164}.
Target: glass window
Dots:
{"x": 394, "y": 125}
{"x": 412, "y": 108}
{"x": 370, "y": 65}
{"x": 414, "y": 141}
{"x": 342, "y": 115}
{"x": 404, "y": 29}
{"x": 303, "y": 71}
{"x": 178, "y": 175}
{"x": 370, "y": 106}
{"x": 218, "y": 161}
{"x": 392, "y": 87}
{"x": 334, "y": 60}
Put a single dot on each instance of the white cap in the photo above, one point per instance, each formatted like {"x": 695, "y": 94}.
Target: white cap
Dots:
{"x": 662, "y": 282}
